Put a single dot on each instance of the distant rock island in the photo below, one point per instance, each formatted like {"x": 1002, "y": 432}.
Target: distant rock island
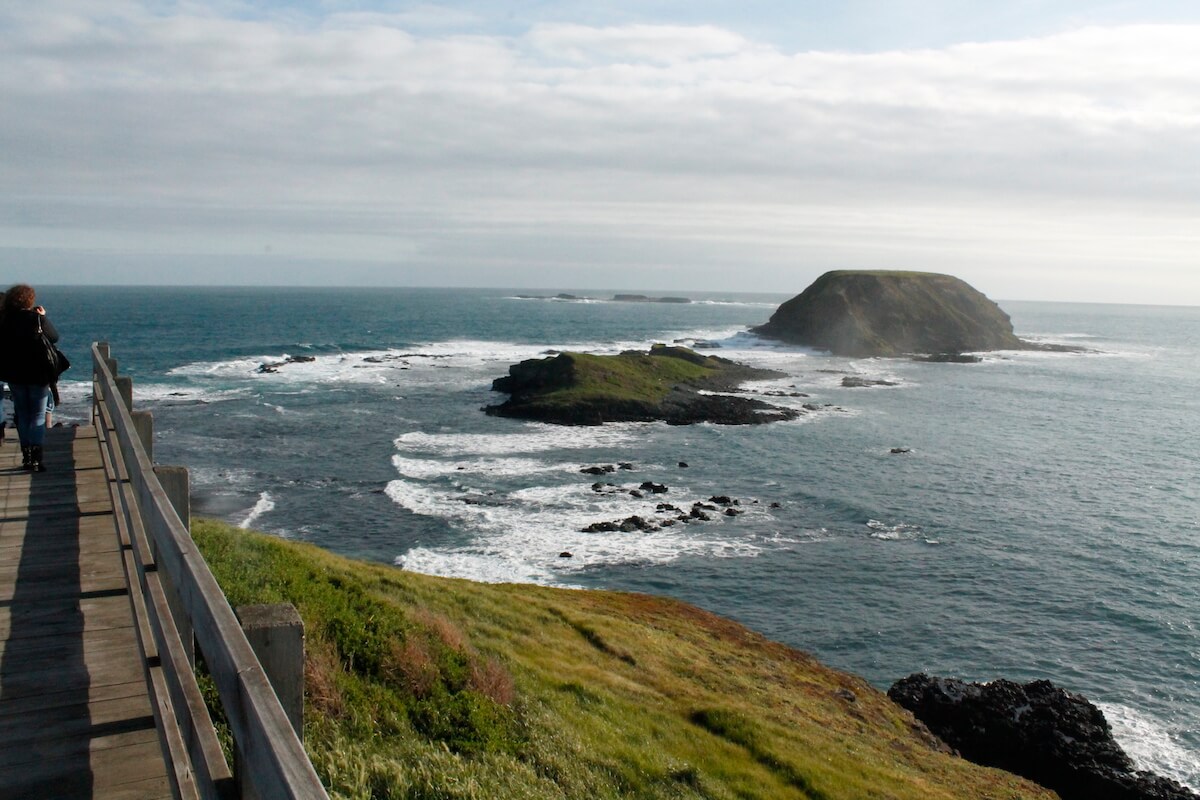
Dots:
{"x": 889, "y": 313}
{"x": 641, "y": 298}
{"x": 616, "y": 298}
{"x": 667, "y": 383}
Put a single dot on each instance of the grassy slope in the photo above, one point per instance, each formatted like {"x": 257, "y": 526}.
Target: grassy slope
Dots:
{"x": 420, "y": 687}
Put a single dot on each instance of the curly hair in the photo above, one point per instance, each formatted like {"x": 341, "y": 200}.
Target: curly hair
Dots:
{"x": 19, "y": 298}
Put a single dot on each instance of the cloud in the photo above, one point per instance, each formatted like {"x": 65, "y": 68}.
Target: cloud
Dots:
{"x": 643, "y": 148}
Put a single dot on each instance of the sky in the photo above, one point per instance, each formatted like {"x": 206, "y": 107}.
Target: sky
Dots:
{"x": 1038, "y": 149}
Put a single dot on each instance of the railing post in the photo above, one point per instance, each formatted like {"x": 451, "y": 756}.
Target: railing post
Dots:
{"x": 102, "y": 350}
{"x": 143, "y": 423}
{"x": 125, "y": 389}
{"x": 276, "y": 635}
{"x": 176, "y": 485}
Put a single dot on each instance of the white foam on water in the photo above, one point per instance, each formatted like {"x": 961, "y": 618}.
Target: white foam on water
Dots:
{"x": 425, "y": 468}
{"x": 530, "y": 438}
{"x": 519, "y": 535}
{"x": 220, "y": 476}
{"x": 453, "y": 364}
{"x": 901, "y": 532}
{"x": 182, "y": 394}
{"x": 483, "y": 567}
{"x": 738, "y": 303}
{"x": 264, "y": 505}
{"x": 1151, "y": 745}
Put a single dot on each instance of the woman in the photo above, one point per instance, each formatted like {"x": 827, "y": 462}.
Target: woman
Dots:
{"x": 26, "y": 369}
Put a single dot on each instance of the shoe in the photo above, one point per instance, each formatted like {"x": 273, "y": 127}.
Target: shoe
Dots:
{"x": 35, "y": 459}
{"x": 25, "y": 456}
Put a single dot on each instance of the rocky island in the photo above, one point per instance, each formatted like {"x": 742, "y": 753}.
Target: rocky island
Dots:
{"x": 887, "y": 313}
{"x": 672, "y": 384}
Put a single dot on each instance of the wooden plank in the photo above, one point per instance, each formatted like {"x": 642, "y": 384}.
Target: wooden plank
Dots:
{"x": 90, "y": 525}
{"x": 103, "y": 581}
{"x": 66, "y": 616}
{"x": 128, "y": 763}
{"x": 50, "y": 701}
{"x": 66, "y": 645}
{"x": 75, "y": 726}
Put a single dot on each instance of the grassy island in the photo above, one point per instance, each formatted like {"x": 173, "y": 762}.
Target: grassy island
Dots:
{"x": 667, "y": 383}
{"x": 423, "y": 687}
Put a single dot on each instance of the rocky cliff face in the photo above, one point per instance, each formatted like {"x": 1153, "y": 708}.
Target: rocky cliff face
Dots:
{"x": 881, "y": 313}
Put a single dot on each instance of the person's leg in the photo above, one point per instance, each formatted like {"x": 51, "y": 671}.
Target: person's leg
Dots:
{"x": 29, "y": 404}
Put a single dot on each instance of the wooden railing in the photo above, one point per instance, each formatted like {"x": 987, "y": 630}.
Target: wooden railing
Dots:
{"x": 180, "y": 611}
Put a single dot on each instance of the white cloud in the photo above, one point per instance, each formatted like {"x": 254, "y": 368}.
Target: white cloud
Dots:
{"x": 643, "y": 147}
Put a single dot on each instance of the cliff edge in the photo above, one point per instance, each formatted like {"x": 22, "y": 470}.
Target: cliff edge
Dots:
{"x": 887, "y": 313}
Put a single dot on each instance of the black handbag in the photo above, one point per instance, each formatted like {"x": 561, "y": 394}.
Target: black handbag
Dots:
{"x": 56, "y": 362}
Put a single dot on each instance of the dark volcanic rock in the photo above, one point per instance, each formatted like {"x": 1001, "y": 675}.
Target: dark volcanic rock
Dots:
{"x": 883, "y": 313}
{"x": 949, "y": 358}
{"x": 274, "y": 366}
{"x": 1036, "y": 730}
{"x": 855, "y": 382}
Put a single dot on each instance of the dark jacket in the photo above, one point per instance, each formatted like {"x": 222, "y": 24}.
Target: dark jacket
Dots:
{"x": 22, "y": 355}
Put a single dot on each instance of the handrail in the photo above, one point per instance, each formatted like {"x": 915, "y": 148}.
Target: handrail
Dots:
{"x": 167, "y": 562}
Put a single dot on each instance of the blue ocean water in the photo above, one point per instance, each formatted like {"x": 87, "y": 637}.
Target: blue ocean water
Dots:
{"x": 1044, "y": 523}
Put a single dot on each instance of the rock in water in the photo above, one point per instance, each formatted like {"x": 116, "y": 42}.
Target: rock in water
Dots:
{"x": 673, "y": 384}
{"x": 1036, "y": 730}
{"x": 883, "y": 313}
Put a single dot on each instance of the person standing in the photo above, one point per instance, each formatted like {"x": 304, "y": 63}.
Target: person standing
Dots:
{"x": 25, "y": 367}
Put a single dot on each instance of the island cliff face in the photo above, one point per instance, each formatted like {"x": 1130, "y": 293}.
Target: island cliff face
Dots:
{"x": 884, "y": 313}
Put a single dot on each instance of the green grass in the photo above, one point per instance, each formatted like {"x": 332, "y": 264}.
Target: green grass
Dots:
{"x": 423, "y": 687}
{"x": 628, "y": 377}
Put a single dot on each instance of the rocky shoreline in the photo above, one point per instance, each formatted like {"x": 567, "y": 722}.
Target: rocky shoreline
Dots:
{"x": 1037, "y": 730}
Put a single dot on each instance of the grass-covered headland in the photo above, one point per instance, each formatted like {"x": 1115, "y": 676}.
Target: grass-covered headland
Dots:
{"x": 423, "y": 687}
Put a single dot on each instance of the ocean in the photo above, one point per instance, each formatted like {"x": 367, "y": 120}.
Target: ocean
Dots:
{"x": 1043, "y": 523}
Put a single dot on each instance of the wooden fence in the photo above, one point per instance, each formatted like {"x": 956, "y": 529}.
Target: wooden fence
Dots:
{"x": 180, "y": 612}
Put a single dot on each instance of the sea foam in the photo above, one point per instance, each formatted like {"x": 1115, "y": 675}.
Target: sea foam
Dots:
{"x": 265, "y": 504}
{"x": 1151, "y": 745}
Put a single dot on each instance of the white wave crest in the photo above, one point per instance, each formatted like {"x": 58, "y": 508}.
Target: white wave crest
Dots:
{"x": 265, "y": 504}
{"x": 531, "y": 438}
{"x": 1151, "y": 745}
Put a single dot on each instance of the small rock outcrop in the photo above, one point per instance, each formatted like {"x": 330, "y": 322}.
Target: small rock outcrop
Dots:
{"x": 884, "y": 313}
{"x": 672, "y": 384}
{"x": 1036, "y": 730}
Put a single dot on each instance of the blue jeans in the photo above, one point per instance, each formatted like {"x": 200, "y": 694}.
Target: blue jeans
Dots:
{"x": 29, "y": 407}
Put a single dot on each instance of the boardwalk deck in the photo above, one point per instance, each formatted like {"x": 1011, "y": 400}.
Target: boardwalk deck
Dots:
{"x": 75, "y": 713}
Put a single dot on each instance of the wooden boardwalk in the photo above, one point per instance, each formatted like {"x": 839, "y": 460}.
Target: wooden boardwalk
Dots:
{"x": 75, "y": 712}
